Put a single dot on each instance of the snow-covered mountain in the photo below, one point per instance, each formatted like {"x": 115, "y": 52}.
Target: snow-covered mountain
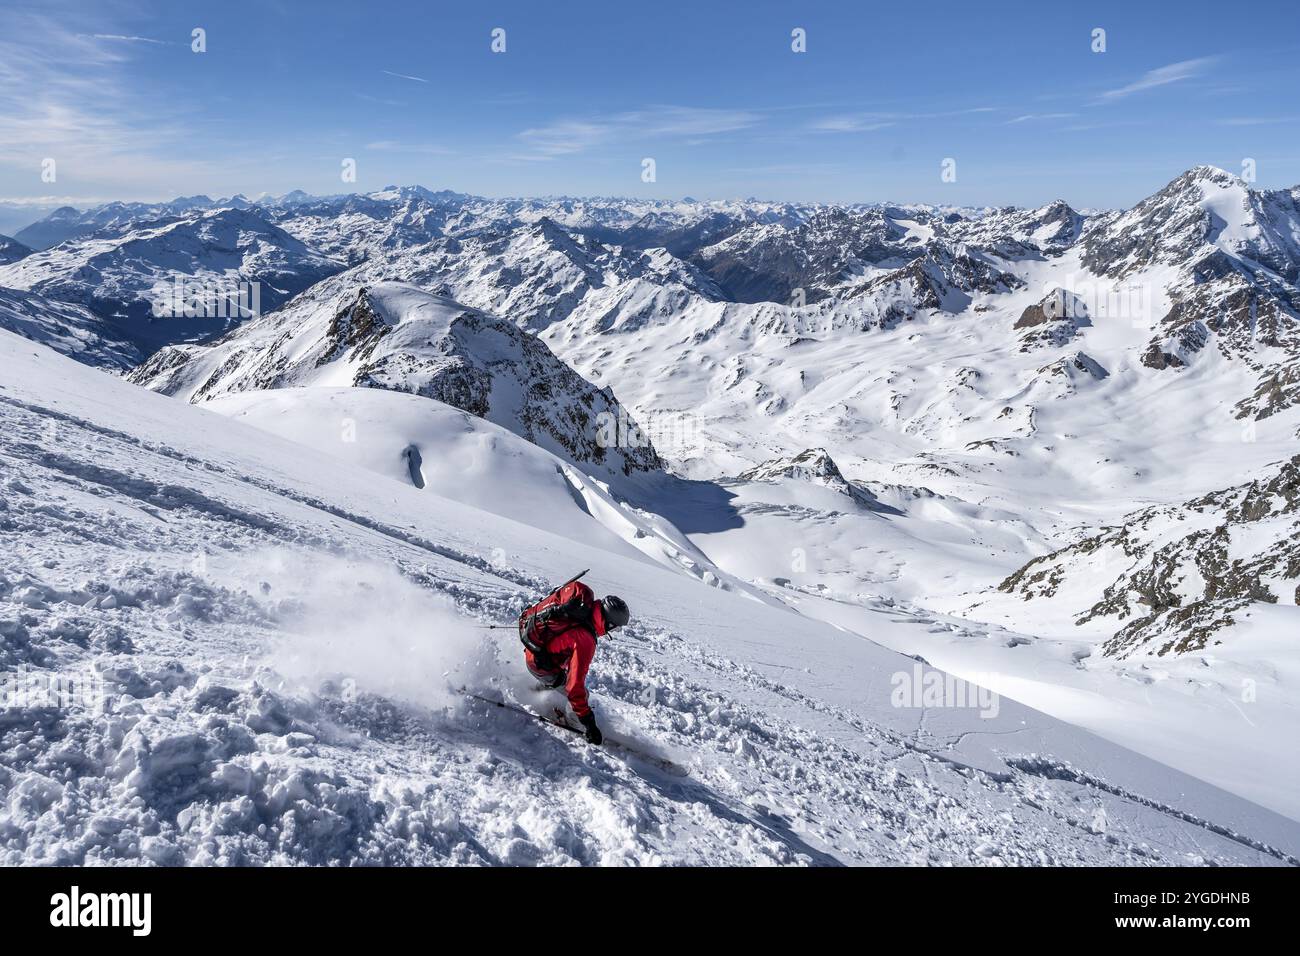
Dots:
{"x": 767, "y": 262}
{"x": 1234, "y": 253}
{"x": 67, "y": 222}
{"x": 397, "y": 337}
{"x": 284, "y": 639}
{"x": 1203, "y": 209}
{"x": 537, "y": 274}
{"x": 68, "y": 328}
{"x": 151, "y": 278}
{"x": 12, "y": 250}
{"x": 353, "y": 228}
{"x": 1020, "y": 233}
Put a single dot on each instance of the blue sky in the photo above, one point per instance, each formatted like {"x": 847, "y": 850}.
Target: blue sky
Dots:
{"x": 586, "y": 90}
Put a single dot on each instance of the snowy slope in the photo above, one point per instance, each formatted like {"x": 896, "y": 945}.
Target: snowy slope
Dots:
{"x": 289, "y": 630}
{"x": 430, "y": 445}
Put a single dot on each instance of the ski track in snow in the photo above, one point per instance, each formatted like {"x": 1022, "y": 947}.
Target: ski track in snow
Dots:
{"x": 214, "y": 599}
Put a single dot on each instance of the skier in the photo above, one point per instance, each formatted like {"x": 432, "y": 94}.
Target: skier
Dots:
{"x": 559, "y": 634}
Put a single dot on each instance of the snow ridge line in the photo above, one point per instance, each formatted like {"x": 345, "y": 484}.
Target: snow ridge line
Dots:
{"x": 1055, "y": 770}
{"x": 170, "y": 496}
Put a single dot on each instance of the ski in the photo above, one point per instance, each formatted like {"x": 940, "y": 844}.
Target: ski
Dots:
{"x": 560, "y": 721}
{"x": 525, "y": 712}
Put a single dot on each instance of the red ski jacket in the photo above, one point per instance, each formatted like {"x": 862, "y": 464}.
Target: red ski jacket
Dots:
{"x": 570, "y": 645}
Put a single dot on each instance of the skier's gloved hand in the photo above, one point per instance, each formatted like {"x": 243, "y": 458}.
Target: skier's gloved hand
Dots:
{"x": 594, "y": 736}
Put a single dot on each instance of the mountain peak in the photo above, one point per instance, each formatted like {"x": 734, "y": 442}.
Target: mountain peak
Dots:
{"x": 1211, "y": 173}
{"x": 1056, "y": 209}
{"x": 1197, "y": 178}
{"x": 811, "y": 464}
{"x": 815, "y": 466}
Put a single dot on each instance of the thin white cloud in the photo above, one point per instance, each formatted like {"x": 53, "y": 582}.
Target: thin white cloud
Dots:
{"x": 129, "y": 39}
{"x": 396, "y": 146}
{"x": 851, "y": 124}
{"x": 1091, "y": 127}
{"x": 788, "y": 169}
{"x": 567, "y": 136}
{"x": 562, "y": 138}
{"x": 1163, "y": 76}
{"x": 867, "y": 122}
{"x": 1038, "y": 117}
{"x": 405, "y": 76}
{"x": 687, "y": 121}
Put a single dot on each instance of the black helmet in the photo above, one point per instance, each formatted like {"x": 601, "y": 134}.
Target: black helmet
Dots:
{"x": 614, "y": 610}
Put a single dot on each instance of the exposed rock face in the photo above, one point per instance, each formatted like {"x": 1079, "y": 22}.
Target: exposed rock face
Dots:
{"x": 1278, "y": 389}
{"x": 1241, "y": 315}
{"x": 397, "y": 337}
{"x": 1079, "y": 363}
{"x": 1053, "y": 307}
{"x": 1157, "y": 358}
{"x": 828, "y": 255}
{"x": 1188, "y": 571}
{"x": 1053, "y": 321}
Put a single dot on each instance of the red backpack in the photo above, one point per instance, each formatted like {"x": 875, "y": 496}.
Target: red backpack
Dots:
{"x": 571, "y": 603}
